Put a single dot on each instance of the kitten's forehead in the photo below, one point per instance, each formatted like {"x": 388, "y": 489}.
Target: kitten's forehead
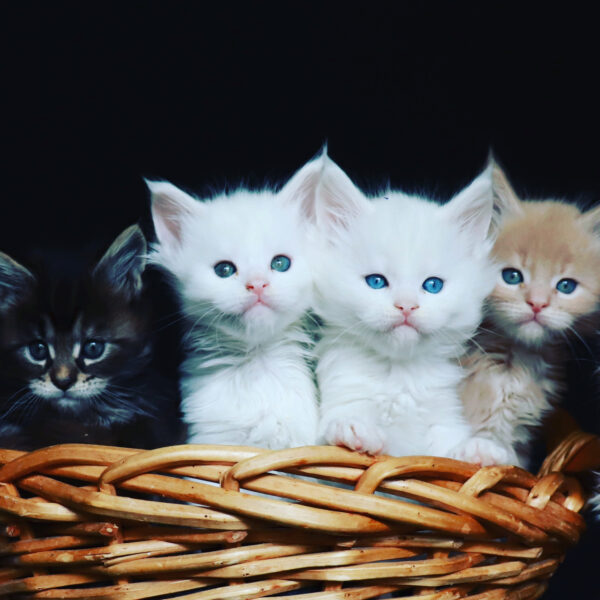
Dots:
{"x": 243, "y": 224}
{"x": 548, "y": 237}
{"x": 405, "y": 234}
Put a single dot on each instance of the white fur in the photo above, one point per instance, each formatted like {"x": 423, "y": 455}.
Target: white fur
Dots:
{"x": 386, "y": 389}
{"x": 246, "y": 378}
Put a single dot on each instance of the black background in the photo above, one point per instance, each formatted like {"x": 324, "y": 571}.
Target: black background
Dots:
{"x": 97, "y": 95}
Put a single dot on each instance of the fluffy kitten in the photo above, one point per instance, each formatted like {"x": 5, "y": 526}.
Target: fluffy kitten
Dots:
{"x": 75, "y": 355}
{"x": 547, "y": 290}
{"x": 239, "y": 263}
{"x": 401, "y": 281}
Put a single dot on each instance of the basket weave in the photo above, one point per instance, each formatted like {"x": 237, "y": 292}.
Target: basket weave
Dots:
{"x": 82, "y": 521}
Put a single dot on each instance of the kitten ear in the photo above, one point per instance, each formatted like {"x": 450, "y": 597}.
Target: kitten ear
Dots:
{"x": 338, "y": 201}
{"x": 170, "y": 207}
{"x": 506, "y": 201}
{"x": 123, "y": 263}
{"x": 15, "y": 280}
{"x": 591, "y": 220}
{"x": 472, "y": 208}
{"x": 302, "y": 186}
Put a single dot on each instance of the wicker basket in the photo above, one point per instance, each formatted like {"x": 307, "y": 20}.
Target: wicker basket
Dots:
{"x": 81, "y": 521}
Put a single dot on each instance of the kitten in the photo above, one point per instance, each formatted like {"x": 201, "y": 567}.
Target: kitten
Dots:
{"x": 547, "y": 291}
{"x": 75, "y": 355}
{"x": 400, "y": 285}
{"x": 239, "y": 262}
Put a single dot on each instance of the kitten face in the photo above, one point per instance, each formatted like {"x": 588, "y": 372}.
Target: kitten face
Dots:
{"x": 403, "y": 273}
{"x": 549, "y": 272}
{"x": 240, "y": 259}
{"x": 68, "y": 346}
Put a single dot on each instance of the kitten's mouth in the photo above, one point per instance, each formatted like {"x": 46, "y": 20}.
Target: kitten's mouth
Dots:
{"x": 256, "y": 303}
{"x": 403, "y": 324}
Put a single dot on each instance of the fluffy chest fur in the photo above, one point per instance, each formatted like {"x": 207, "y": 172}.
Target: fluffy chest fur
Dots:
{"x": 263, "y": 397}
{"x": 397, "y": 407}
{"x": 509, "y": 389}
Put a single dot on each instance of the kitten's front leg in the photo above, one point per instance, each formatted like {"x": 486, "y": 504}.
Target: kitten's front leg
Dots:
{"x": 346, "y": 379}
{"x": 450, "y": 435}
{"x": 354, "y": 432}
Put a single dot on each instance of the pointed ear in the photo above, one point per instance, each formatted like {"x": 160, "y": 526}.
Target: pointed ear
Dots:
{"x": 302, "y": 186}
{"x": 591, "y": 220}
{"x": 122, "y": 265}
{"x": 472, "y": 208}
{"x": 338, "y": 200}
{"x": 170, "y": 206}
{"x": 506, "y": 201}
{"x": 15, "y": 280}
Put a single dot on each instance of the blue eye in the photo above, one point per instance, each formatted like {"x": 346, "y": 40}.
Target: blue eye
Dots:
{"x": 225, "y": 269}
{"x": 281, "y": 263}
{"x": 376, "y": 281}
{"x": 566, "y": 286}
{"x": 93, "y": 349}
{"x": 512, "y": 276}
{"x": 38, "y": 350}
{"x": 433, "y": 285}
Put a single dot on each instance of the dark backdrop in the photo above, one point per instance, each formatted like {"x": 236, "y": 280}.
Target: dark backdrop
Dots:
{"x": 96, "y": 96}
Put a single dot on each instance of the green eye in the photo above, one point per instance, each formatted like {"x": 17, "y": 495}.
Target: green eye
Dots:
{"x": 512, "y": 276}
{"x": 281, "y": 263}
{"x": 566, "y": 286}
{"x": 225, "y": 269}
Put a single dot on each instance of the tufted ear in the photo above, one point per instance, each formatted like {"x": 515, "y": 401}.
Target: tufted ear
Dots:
{"x": 15, "y": 280}
{"x": 472, "y": 208}
{"x": 122, "y": 265}
{"x": 338, "y": 200}
{"x": 591, "y": 220}
{"x": 302, "y": 186}
{"x": 506, "y": 201}
{"x": 170, "y": 207}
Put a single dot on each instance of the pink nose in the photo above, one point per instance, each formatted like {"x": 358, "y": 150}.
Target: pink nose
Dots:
{"x": 256, "y": 286}
{"x": 537, "y": 307}
{"x": 406, "y": 310}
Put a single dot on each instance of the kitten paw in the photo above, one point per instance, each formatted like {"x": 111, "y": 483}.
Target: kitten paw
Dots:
{"x": 356, "y": 435}
{"x": 484, "y": 452}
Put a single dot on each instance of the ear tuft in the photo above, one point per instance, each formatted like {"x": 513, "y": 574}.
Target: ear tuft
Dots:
{"x": 122, "y": 265}
{"x": 170, "y": 206}
{"x": 338, "y": 200}
{"x": 472, "y": 207}
{"x": 15, "y": 281}
{"x": 506, "y": 201}
{"x": 302, "y": 186}
{"x": 591, "y": 220}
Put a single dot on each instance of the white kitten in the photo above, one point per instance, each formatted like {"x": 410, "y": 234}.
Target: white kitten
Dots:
{"x": 240, "y": 267}
{"x": 400, "y": 285}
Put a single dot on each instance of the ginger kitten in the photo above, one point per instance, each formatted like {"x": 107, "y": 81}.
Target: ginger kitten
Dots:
{"x": 547, "y": 291}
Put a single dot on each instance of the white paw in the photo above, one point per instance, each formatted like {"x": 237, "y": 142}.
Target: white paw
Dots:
{"x": 484, "y": 452}
{"x": 356, "y": 435}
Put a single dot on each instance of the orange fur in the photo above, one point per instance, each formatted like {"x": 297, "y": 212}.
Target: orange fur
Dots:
{"x": 515, "y": 365}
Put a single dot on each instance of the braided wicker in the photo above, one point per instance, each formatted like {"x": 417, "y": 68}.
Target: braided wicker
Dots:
{"x": 82, "y": 521}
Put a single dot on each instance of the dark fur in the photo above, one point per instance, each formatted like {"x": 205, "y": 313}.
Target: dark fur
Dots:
{"x": 110, "y": 302}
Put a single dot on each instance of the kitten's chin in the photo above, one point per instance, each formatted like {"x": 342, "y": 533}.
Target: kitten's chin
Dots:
{"x": 532, "y": 333}
{"x": 69, "y": 403}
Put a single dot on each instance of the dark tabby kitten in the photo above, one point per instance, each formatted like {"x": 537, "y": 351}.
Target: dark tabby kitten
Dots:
{"x": 75, "y": 356}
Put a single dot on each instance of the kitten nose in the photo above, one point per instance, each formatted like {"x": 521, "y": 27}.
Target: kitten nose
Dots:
{"x": 63, "y": 378}
{"x": 537, "y": 307}
{"x": 257, "y": 286}
{"x": 406, "y": 310}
